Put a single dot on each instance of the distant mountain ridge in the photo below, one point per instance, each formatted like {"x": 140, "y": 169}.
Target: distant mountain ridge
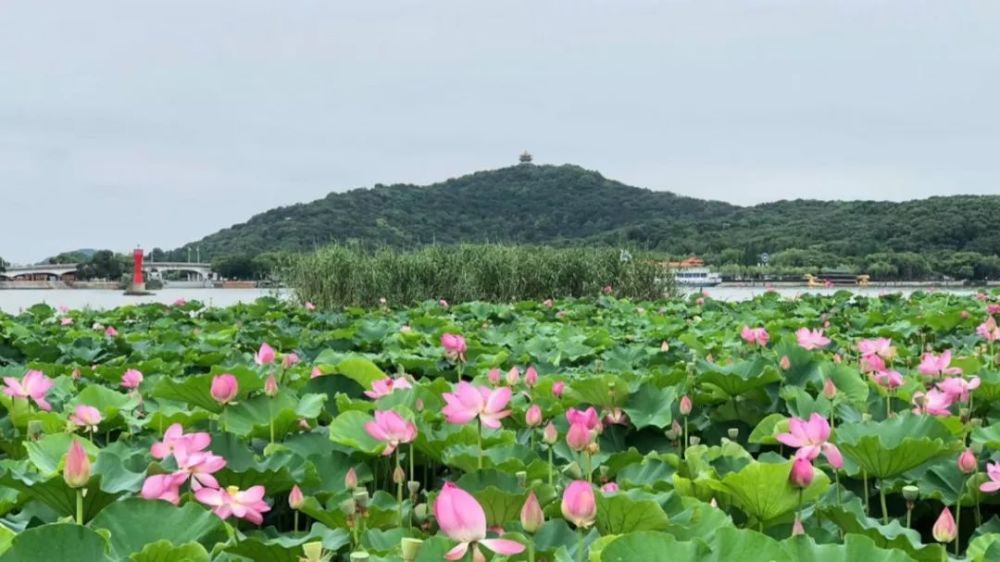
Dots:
{"x": 570, "y": 205}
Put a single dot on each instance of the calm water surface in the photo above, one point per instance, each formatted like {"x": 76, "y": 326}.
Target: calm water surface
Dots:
{"x": 13, "y": 300}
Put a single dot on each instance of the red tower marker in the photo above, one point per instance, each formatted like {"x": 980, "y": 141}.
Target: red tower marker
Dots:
{"x": 137, "y": 270}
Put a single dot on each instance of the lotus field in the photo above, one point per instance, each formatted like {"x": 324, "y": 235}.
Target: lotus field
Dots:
{"x": 838, "y": 428}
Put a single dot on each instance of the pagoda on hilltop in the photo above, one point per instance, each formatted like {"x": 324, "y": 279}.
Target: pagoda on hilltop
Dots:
{"x": 525, "y": 157}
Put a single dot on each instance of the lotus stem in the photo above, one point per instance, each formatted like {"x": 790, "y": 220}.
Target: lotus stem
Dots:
{"x": 295, "y": 523}
{"x": 684, "y": 443}
{"x": 909, "y": 513}
{"x": 531, "y": 550}
{"x": 79, "y": 506}
{"x": 550, "y": 466}
{"x": 579, "y": 544}
{"x": 888, "y": 407}
{"x": 836, "y": 478}
{"x": 412, "y": 472}
{"x": 958, "y": 521}
{"x": 864, "y": 476}
{"x": 881, "y": 497}
{"x": 270, "y": 419}
{"x": 798, "y": 514}
{"x": 399, "y": 487}
{"x": 479, "y": 436}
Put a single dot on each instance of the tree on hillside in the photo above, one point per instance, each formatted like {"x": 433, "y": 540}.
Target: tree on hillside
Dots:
{"x": 3, "y": 265}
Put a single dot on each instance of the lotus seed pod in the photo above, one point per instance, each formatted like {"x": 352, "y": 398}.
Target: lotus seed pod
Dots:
{"x": 671, "y": 434}
{"x": 420, "y": 512}
{"x": 603, "y": 471}
{"x": 694, "y": 440}
{"x": 734, "y": 432}
{"x": 413, "y": 486}
{"x": 359, "y": 556}
{"x": 410, "y": 548}
{"x": 313, "y": 551}
{"x": 348, "y": 507}
{"x": 593, "y": 448}
{"x": 361, "y": 497}
{"x": 911, "y": 493}
{"x": 398, "y": 475}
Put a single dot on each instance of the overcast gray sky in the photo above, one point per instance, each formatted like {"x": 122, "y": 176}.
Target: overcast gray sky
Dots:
{"x": 160, "y": 121}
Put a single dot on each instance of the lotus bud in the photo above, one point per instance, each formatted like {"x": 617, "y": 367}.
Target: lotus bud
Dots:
{"x": 359, "y": 556}
{"x": 694, "y": 440}
{"x": 578, "y": 436}
{"x": 533, "y": 418}
{"x": 420, "y": 512}
{"x": 531, "y": 377}
{"x": 413, "y": 486}
{"x": 361, "y": 497}
{"x": 944, "y": 529}
{"x": 579, "y": 504}
{"x": 573, "y": 470}
{"x": 76, "y": 471}
{"x": 685, "y": 407}
{"x": 522, "y": 478}
{"x": 304, "y": 424}
{"x": 550, "y": 435}
{"x": 493, "y": 376}
{"x": 664, "y": 346}
{"x": 557, "y": 388}
{"x": 734, "y": 433}
{"x": 271, "y": 386}
{"x": 351, "y": 479}
{"x": 532, "y": 517}
{"x": 224, "y": 388}
{"x": 785, "y": 363}
{"x": 513, "y": 376}
{"x": 801, "y": 475}
{"x": 829, "y": 389}
{"x": 410, "y": 548}
{"x": 295, "y": 497}
{"x": 911, "y": 493}
{"x": 398, "y": 475}
{"x": 348, "y": 507}
{"x": 967, "y": 462}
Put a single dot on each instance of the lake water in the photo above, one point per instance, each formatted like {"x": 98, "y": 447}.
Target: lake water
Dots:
{"x": 14, "y": 300}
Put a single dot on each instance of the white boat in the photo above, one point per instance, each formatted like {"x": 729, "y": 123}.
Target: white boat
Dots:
{"x": 696, "y": 277}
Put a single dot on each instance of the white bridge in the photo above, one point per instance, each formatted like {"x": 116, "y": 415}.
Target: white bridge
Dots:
{"x": 67, "y": 271}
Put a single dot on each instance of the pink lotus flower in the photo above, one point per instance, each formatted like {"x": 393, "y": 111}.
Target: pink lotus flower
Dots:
{"x": 246, "y": 504}
{"x": 811, "y": 438}
{"x": 87, "y": 417}
{"x": 588, "y": 418}
{"x": 310, "y": 306}
{"x": 66, "y": 321}
{"x": 872, "y": 363}
{"x": 224, "y": 388}
{"x": 199, "y": 465}
{"x": 664, "y": 346}
{"x": 532, "y": 516}
{"x": 797, "y": 528}
{"x": 958, "y": 389}
{"x": 967, "y": 462}
{"x": 132, "y": 379}
{"x": 531, "y": 377}
{"x": 937, "y": 365}
{"x": 513, "y": 376}
{"x": 607, "y": 290}
{"x": 289, "y": 359}
{"x": 391, "y": 429}
{"x": 993, "y": 471}
{"x": 989, "y": 330}
{"x": 76, "y": 471}
{"x": 944, "y": 529}
{"x": 933, "y": 402}
{"x": 888, "y": 379}
{"x": 351, "y": 479}
{"x": 615, "y": 416}
{"x": 579, "y": 437}
{"x": 462, "y": 519}
{"x": 877, "y": 346}
{"x": 829, "y": 389}
{"x": 174, "y": 436}
{"x": 548, "y": 303}
{"x": 785, "y": 363}
{"x": 295, "y": 497}
{"x": 468, "y": 401}
{"x": 34, "y": 385}
{"x": 801, "y": 474}
{"x": 386, "y": 386}
{"x": 811, "y": 339}
{"x": 180, "y": 302}
{"x": 558, "y": 388}
{"x": 111, "y": 332}
{"x": 166, "y": 487}
{"x": 443, "y": 303}
{"x": 685, "y": 406}
{"x": 533, "y": 417}
{"x": 493, "y": 376}
{"x": 609, "y": 488}
{"x": 755, "y": 336}
{"x": 265, "y": 355}
{"x": 992, "y": 309}
{"x": 454, "y": 346}
{"x": 271, "y": 386}
{"x": 579, "y": 504}
{"x": 550, "y": 434}
{"x": 316, "y": 373}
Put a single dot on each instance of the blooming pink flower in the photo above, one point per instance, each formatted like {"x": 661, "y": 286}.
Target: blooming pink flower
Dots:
{"x": 933, "y": 402}
{"x": 443, "y": 303}
{"x": 246, "y": 504}
{"x": 66, "y": 321}
{"x": 316, "y": 373}
{"x": 752, "y": 336}
{"x": 888, "y": 379}
{"x": 310, "y": 306}
{"x": 992, "y": 309}
{"x": 174, "y": 436}
{"x": 557, "y": 388}
{"x": 877, "y": 346}
{"x": 811, "y": 438}
{"x": 609, "y": 488}
{"x": 811, "y": 339}
{"x": 289, "y": 359}
{"x": 616, "y": 416}
{"x": 872, "y": 363}
{"x": 391, "y": 429}
{"x": 180, "y": 302}
{"x": 588, "y": 418}
{"x": 454, "y": 346}
{"x": 386, "y": 386}
{"x": 989, "y": 330}
{"x": 199, "y": 465}
{"x": 224, "y": 388}
{"x": 579, "y": 504}
{"x": 87, "y": 417}
{"x": 944, "y": 529}
{"x": 132, "y": 379}
{"x": 462, "y": 519}
{"x": 547, "y": 303}
{"x": 468, "y": 401}
{"x": 937, "y": 365}
{"x": 34, "y": 385}
{"x": 607, "y": 290}
{"x": 993, "y": 471}
{"x": 265, "y": 355}
{"x": 579, "y": 437}
{"x": 958, "y": 389}
{"x": 801, "y": 474}
{"x": 166, "y": 487}
{"x": 111, "y": 332}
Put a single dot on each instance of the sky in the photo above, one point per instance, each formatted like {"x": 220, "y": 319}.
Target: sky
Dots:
{"x": 157, "y": 122}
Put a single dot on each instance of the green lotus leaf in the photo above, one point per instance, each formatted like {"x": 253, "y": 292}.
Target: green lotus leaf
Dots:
{"x": 629, "y": 512}
{"x": 856, "y": 548}
{"x": 850, "y": 517}
{"x": 131, "y": 525}
{"x": 980, "y": 546}
{"x": 196, "y": 390}
{"x": 166, "y": 551}
{"x": 768, "y": 428}
{"x": 763, "y": 492}
{"x": 889, "y": 448}
{"x": 651, "y": 472}
{"x": 738, "y": 378}
{"x": 651, "y": 406}
{"x": 651, "y": 546}
{"x": 251, "y": 417}
{"x": 272, "y": 546}
{"x": 348, "y": 429}
{"x": 595, "y": 391}
{"x": 57, "y": 541}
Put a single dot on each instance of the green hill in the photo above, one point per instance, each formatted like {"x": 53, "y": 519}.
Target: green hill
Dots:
{"x": 570, "y": 205}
